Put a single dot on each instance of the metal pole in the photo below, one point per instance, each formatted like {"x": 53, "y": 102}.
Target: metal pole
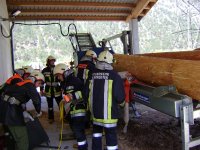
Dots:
{"x": 185, "y": 129}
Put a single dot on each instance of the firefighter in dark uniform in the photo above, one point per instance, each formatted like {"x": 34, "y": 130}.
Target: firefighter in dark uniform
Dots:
{"x": 52, "y": 87}
{"x": 12, "y": 114}
{"x": 72, "y": 89}
{"x": 104, "y": 91}
{"x": 11, "y": 81}
{"x": 87, "y": 63}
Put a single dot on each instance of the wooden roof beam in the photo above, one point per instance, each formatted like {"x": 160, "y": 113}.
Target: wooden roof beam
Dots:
{"x": 89, "y": 18}
{"x": 140, "y": 6}
{"x": 41, "y": 11}
{"x": 66, "y": 3}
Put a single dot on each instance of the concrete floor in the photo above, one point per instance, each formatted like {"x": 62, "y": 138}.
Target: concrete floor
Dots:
{"x": 53, "y": 130}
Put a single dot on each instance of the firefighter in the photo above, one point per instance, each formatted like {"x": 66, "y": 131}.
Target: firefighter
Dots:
{"x": 12, "y": 114}
{"x": 104, "y": 91}
{"x": 87, "y": 63}
{"x": 18, "y": 75}
{"x": 52, "y": 87}
{"x": 27, "y": 71}
{"x": 72, "y": 90}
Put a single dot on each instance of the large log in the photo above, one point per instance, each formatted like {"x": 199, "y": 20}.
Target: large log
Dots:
{"x": 184, "y": 74}
{"x": 186, "y": 55}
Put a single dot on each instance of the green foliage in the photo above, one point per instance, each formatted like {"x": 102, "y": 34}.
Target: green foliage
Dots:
{"x": 33, "y": 44}
{"x": 170, "y": 26}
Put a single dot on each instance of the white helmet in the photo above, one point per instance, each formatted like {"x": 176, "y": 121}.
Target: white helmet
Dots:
{"x": 38, "y": 76}
{"x": 50, "y": 58}
{"x": 91, "y": 54}
{"x": 20, "y": 71}
{"x": 105, "y": 56}
{"x": 60, "y": 68}
{"x": 27, "y": 69}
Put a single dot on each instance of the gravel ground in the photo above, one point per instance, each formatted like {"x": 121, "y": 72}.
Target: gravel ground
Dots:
{"x": 153, "y": 131}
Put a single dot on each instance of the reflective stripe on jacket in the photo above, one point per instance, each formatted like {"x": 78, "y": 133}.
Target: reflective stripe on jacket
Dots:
{"x": 52, "y": 87}
{"x": 74, "y": 86}
{"x": 106, "y": 91}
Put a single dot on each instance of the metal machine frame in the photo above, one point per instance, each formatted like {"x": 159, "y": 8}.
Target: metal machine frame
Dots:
{"x": 165, "y": 99}
{"x": 125, "y": 37}
{"x": 187, "y": 118}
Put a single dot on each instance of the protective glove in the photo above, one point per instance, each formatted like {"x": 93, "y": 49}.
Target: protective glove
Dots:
{"x": 67, "y": 98}
{"x": 27, "y": 116}
{"x": 39, "y": 114}
{"x": 122, "y": 104}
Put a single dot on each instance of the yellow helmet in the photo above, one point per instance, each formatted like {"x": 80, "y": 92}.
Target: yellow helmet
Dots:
{"x": 38, "y": 75}
{"x": 60, "y": 68}
{"x": 105, "y": 56}
{"x": 91, "y": 54}
{"x": 27, "y": 69}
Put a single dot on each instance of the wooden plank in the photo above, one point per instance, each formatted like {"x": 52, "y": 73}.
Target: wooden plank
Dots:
{"x": 68, "y": 3}
{"x": 53, "y": 17}
{"x": 184, "y": 74}
{"x": 186, "y": 55}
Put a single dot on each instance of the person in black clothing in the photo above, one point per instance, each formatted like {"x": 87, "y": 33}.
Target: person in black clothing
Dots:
{"x": 87, "y": 63}
{"x": 12, "y": 114}
{"x": 52, "y": 87}
{"x": 75, "y": 105}
{"x": 104, "y": 91}
{"x": 85, "y": 66}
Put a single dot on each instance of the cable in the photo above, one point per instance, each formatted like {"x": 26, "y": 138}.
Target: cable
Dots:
{"x": 7, "y": 36}
{"x": 68, "y": 31}
{"x": 11, "y": 43}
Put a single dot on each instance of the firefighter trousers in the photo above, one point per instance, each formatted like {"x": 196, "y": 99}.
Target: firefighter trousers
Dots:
{"x": 50, "y": 105}
{"x": 111, "y": 138}
{"x": 20, "y": 136}
{"x": 78, "y": 128}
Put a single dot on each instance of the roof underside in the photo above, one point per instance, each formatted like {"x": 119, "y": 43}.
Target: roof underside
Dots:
{"x": 107, "y": 10}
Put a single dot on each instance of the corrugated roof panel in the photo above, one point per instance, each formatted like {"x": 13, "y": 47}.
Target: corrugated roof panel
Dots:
{"x": 75, "y": 14}
{"x": 67, "y": 7}
{"x": 102, "y": 8}
{"x": 108, "y": 1}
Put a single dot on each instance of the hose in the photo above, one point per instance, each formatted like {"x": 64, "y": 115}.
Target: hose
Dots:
{"x": 61, "y": 106}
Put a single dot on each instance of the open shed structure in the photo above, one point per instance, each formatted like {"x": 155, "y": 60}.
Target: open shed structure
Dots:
{"x": 109, "y": 10}
{"x": 130, "y": 11}
{"x": 154, "y": 70}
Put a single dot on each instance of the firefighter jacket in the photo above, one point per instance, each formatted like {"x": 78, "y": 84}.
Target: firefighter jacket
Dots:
{"x": 84, "y": 67}
{"x": 74, "y": 86}
{"x": 104, "y": 90}
{"x": 12, "y": 80}
{"x": 52, "y": 87}
{"x": 13, "y": 96}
